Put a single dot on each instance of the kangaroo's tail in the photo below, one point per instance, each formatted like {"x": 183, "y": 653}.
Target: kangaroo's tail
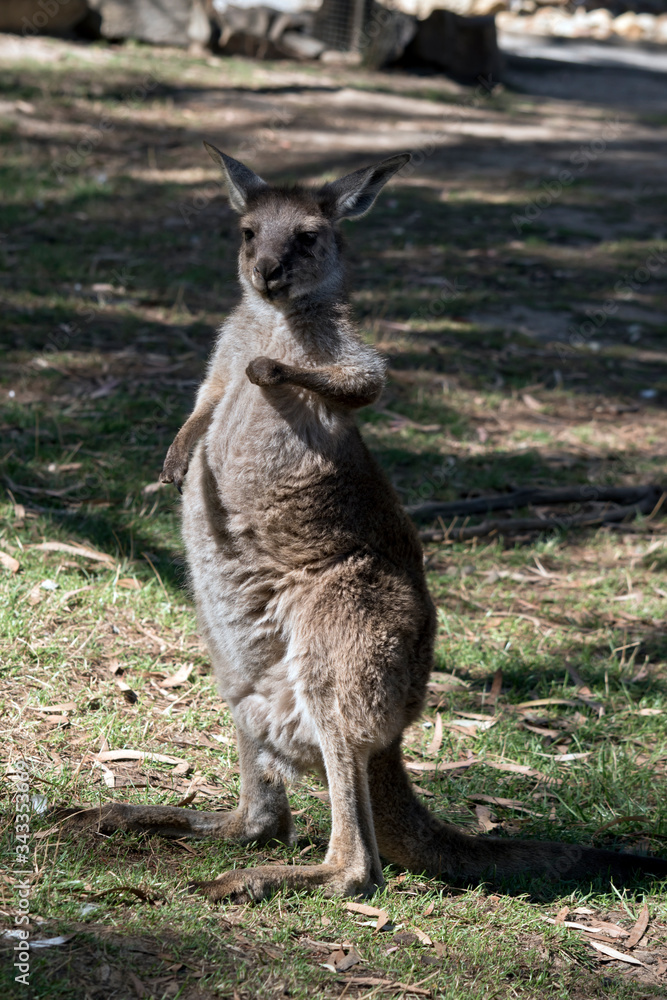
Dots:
{"x": 410, "y": 836}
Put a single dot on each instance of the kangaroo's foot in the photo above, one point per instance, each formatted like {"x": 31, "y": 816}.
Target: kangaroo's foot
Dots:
{"x": 263, "y": 812}
{"x": 250, "y": 885}
{"x": 241, "y": 825}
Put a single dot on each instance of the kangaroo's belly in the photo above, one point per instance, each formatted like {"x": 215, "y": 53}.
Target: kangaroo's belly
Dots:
{"x": 247, "y": 623}
{"x": 246, "y": 605}
{"x": 304, "y": 618}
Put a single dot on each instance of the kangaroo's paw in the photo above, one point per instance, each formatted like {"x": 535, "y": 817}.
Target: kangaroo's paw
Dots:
{"x": 266, "y": 371}
{"x": 175, "y": 466}
{"x": 250, "y": 885}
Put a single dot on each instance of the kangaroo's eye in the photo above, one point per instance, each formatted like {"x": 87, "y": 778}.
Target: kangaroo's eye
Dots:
{"x": 248, "y": 235}
{"x": 307, "y": 239}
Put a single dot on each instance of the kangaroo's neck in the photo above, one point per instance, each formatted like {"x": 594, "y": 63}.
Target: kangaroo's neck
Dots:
{"x": 317, "y": 324}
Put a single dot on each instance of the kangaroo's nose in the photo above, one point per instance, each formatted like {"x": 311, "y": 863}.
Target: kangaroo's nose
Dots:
{"x": 266, "y": 273}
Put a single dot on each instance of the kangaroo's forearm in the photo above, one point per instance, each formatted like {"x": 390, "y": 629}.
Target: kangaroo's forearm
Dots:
{"x": 349, "y": 388}
{"x": 344, "y": 385}
{"x": 177, "y": 459}
{"x": 195, "y": 426}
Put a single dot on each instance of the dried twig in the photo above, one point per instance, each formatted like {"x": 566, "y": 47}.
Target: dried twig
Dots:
{"x": 529, "y": 497}
{"x": 521, "y": 524}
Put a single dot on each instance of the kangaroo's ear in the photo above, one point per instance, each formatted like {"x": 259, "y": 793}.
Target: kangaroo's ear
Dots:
{"x": 352, "y": 196}
{"x": 242, "y": 183}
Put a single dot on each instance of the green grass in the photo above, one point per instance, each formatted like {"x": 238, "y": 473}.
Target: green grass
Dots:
{"x": 110, "y": 302}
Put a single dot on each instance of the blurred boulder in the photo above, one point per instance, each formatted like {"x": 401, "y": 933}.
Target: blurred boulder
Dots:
{"x": 41, "y": 17}
{"x": 467, "y": 8}
{"x": 158, "y": 22}
{"x": 464, "y": 47}
{"x": 385, "y": 35}
{"x": 265, "y": 32}
{"x": 298, "y": 45}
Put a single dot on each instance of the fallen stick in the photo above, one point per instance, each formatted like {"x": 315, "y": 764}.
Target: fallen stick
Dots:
{"x": 584, "y": 493}
{"x": 516, "y": 525}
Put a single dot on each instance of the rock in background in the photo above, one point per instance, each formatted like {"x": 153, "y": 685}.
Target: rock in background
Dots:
{"x": 41, "y": 17}
{"x": 158, "y": 22}
{"x": 266, "y": 32}
{"x": 596, "y": 23}
{"x": 464, "y": 47}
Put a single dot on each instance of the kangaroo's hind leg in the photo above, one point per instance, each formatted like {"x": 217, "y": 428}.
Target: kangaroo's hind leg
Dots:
{"x": 352, "y": 864}
{"x": 263, "y": 812}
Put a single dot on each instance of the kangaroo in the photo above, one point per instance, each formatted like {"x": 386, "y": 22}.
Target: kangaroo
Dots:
{"x": 308, "y": 575}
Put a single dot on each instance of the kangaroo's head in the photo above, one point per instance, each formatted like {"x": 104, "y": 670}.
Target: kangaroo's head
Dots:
{"x": 290, "y": 243}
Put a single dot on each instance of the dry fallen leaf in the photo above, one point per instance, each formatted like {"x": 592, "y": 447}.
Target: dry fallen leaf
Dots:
{"x": 497, "y": 800}
{"x": 9, "y": 562}
{"x": 424, "y": 938}
{"x": 531, "y": 402}
{"x": 611, "y": 929}
{"x": 524, "y": 769}
{"x": 470, "y": 726}
{"x": 180, "y": 677}
{"x": 162, "y": 758}
{"x": 612, "y": 953}
{"x": 484, "y": 821}
{"x": 451, "y": 765}
{"x": 74, "y": 550}
{"x": 338, "y": 961}
{"x": 369, "y": 911}
{"x": 619, "y": 819}
{"x": 540, "y": 730}
{"x": 440, "y": 681}
{"x": 64, "y": 598}
{"x": 542, "y": 701}
{"x": 128, "y": 694}
{"x": 496, "y": 686}
{"x": 108, "y": 777}
{"x": 65, "y": 706}
{"x": 388, "y": 985}
{"x": 638, "y": 931}
{"x": 53, "y": 942}
{"x": 129, "y": 583}
{"x": 43, "y": 834}
{"x": 436, "y": 742}
{"x": 35, "y": 595}
{"x": 66, "y": 467}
